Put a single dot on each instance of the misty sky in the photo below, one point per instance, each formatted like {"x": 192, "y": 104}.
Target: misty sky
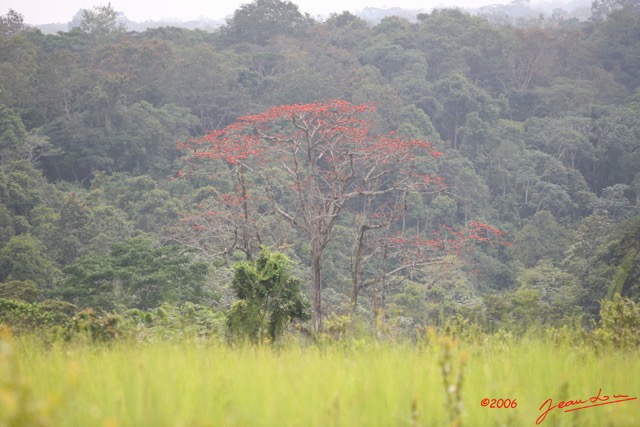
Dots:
{"x": 38, "y": 12}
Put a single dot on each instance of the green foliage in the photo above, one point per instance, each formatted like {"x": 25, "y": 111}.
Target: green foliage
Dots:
{"x": 259, "y": 21}
{"x": 540, "y": 119}
{"x": 605, "y": 261}
{"x": 135, "y": 274}
{"x": 443, "y": 291}
{"x": 106, "y": 226}
{"x": 268, "y": 298}
{"x": 23, "y": 258}
{"x": 619, "y": 324}
{"x": 602, "y": 9}
{"x": 514, "y": 311}
{"x": 621, "y": 274}
{"x": 556, "y": 288}
{"x": 145, "y": 201}
{"x": 62, "y": 311}
{"x": 12, "y": 132}
{"x": 461, "y": 100}
{"x": 11, "y": 23}
{"x": 101, "y": 21}
{"x": 615, "y": 43}
{"x": 22, "y": 188}
{"x": 541, "y": 237}
{"x": 614, "y": 203}
{"x": 177, "y": 322}
{"x": 95, "y": 326}
{"x": 546, "y": 296}
{"x": 614, "y": 133}
{"x": 25, "y": 317}
{"x": 19, "y": 291}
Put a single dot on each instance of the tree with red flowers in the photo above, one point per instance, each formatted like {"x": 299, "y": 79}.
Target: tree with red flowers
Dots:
{"x": 311, "y": 163}
{"x": 391, "y": 253}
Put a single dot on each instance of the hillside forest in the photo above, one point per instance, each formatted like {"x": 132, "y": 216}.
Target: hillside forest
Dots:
{"x": 280, "y": 167}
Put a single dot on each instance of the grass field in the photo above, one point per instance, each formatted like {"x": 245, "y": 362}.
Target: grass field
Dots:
{"x": 346, "y": 384}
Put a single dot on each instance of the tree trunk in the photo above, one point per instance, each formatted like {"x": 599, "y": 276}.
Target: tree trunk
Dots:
{"x": 356, "y": 269}
{"x": 355, "y": 272}
{"x": 316, "y": 277}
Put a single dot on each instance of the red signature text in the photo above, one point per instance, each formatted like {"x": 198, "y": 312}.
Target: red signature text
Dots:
{"x": 576, "y": 405}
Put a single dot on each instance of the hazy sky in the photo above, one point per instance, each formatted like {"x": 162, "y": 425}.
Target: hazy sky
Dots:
{"x": 37, "y": 12}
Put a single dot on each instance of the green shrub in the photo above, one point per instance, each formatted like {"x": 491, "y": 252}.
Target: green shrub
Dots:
{"x": 62, "y": 311}
{"x": 20, "y": 290}
{"x": 269, "y": 297}
{"x": 175, "y": 322}
{"x": 96, "y": 327}
{"x": 25, "y": 317}
{"x": 619, "y": 324}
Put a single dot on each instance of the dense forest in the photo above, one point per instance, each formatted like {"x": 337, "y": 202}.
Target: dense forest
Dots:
{"x": 470, "y": 169}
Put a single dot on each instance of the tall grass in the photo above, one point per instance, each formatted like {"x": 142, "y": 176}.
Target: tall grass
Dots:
{"x": 351, "y": 384}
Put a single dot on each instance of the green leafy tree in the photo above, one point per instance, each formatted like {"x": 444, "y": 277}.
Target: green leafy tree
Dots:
{"x": 11, "y": 23}
{"x": 22, "y": 316}
{"x": 466, "y": 188}
{"x": 514, "y": 311}
{"x": 106, "y": 225}
{"x": 261, "y": 20}
{"x": 532, "y": 60}
{"x": 101, "y": 21}
{"x": 23, "y": 188}
{"x": 347, "y": 30}
{"x": 619, "y": 323}
{"x": 444, "y": 291}
{"x": 390, "y": 58}
{"x": 602, "y": 9}
{"x": 18, "y": 68}
{"x": 558, "y": 290}
{"x": 613, "y": 202}
{"x": 269, "y": 297}
{"x": 178, "y": 322}
{"x": 12, "y": 133}
{"x": 566, "y": 138}
{"x": 461, "y": 99}
{"x": 605, "y": 258}
{"x": 213, "y": 83}
{"x": 23, "y": 258}
{"x": 147, "y": 204}
{"x": 135, "y": 274}
{"x": 443, "y": 36}
{"x": 19, "y": 290}
{"x": 615, "y": 134}
{"x": 65, "y": 235}
{"x": 86, "y": 149}
{"x": 63, "y": 77}
{"x": 541, "y": 237}
{"x": 18, "y": 144}
{"x": 622, "y": 255}
{"x": 148, "y": 136}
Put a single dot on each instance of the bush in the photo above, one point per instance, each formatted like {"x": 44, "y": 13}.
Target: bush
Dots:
{"x": 25, "y": 317}
{"x": 268, "y": 298}
{"x": 169, "y": 322}
{"x": 96, "y": 327}
{"x": 19, "y": 290}
{"x": 619, "y": 323}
